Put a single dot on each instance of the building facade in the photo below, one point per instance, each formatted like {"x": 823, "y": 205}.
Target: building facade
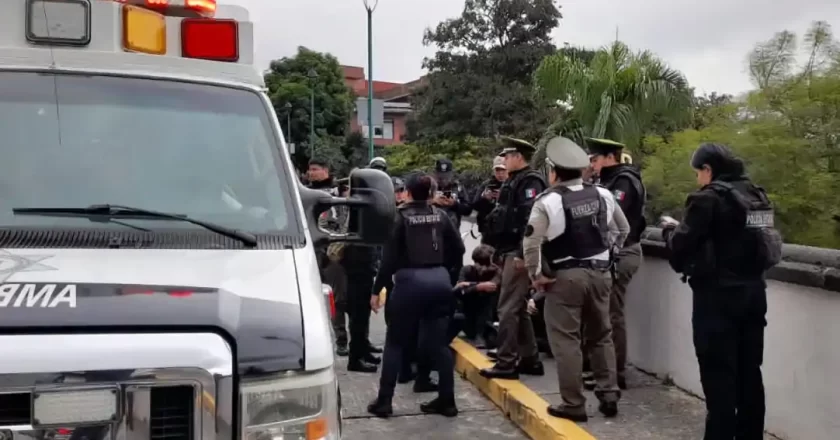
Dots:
{"x": 396, "y": 106}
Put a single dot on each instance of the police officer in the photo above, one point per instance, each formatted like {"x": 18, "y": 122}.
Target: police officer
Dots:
{"x": 379, "y": 163}
{"x": 517, "y": 346}
{"x": 486, "y": 197}
{"x": 624, "y": 181}
{"x": 723, "y": 246}
{"x": 419, "y": 294}
{"x": 570, "y": 230}
{"x": 451, "y": 196}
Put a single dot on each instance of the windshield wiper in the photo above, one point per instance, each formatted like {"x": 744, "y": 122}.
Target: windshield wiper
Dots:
{"x": 120, "y": 211}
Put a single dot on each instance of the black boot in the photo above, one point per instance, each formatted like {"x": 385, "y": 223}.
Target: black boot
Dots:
{"x": 341, "y": 349}
{"x": 561, "y": 412}
{"x": 608, "y": 409}
{"x": 425, "y": 386}
{"x": 360, "y": 366}
{"x": 533, "y": 367}
{"x": 380, "y": 408}
{"x": 444, "y": 407}
{"x": 371, "y": 359}
{"x": 496, "y": 372}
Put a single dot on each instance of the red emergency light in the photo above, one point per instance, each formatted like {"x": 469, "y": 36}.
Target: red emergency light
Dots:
{"x": 210, "y": 39}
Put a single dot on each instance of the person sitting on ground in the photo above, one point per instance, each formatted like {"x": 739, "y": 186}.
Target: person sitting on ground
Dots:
{"x": 479, "y": 283}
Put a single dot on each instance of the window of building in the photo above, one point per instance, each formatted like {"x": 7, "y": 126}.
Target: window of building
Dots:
{"x": 385, "y": 131}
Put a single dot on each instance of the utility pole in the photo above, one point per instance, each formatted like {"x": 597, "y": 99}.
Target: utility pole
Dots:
{"x": 370, "y": 6}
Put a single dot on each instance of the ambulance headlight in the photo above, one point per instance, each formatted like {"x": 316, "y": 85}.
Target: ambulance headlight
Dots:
{"x": 299, "y": 407}
{"x": 58, "y": 22}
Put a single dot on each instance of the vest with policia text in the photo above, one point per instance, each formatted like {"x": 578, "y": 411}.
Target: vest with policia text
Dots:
{"x": 423, "y": 226}
{"x": 587, "y": 232}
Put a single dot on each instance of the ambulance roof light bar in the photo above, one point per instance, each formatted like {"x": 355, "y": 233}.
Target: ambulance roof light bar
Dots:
{"x": 182, "y": 8}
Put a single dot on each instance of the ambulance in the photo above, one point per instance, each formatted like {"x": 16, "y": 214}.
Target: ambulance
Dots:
{"x": 158, "y": 278}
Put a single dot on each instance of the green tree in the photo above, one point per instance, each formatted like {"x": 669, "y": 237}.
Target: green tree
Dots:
{"x": 618, "y": 94}
{"x": 288, "y": 82}
{"x": 479, "y": 81}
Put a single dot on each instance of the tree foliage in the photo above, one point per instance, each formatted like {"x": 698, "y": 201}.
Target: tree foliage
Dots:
{"x": 786, "y": 130}
{"x": 288, "y": 82}
{"x": 479, "y": 81}
{"x": 618, "y": 94}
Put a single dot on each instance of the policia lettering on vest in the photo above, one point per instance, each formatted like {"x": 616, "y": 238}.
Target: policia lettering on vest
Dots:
{"x": 423, "y": 244}
{"x": 571, "y": 229}
{"x": 517, "y": 352}
{"x": 624, "y": 182}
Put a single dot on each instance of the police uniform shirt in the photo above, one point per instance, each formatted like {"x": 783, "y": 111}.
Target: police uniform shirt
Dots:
{"x": 548, "y": 221}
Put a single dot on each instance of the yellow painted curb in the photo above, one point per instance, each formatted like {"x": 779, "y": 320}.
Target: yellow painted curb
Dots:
{"x": 524, "y": 407}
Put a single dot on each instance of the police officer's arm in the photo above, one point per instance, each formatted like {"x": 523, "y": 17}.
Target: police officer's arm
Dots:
{"x": 534, "y": 234}
{"x": 528, "y": 192}
{"x": 619, "y": 226}
{"x": 390, "y": 258}
{"x": 625, "y": 193}
{"x": 685, "y": 240}
{"x": 463, "y": 205}
{"x": 453, "y": 250}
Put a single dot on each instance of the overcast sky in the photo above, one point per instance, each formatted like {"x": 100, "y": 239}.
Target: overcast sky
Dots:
{"x": 707, "y": 40}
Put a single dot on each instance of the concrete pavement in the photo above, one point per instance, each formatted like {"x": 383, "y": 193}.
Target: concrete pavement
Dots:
{"x": 479, "y": 418}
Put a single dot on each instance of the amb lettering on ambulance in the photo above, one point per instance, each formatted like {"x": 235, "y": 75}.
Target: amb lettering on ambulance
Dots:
{"x": 38, "y": 295}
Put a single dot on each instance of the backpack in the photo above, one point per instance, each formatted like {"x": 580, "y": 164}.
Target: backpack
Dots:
{"x": 760, "y": 233}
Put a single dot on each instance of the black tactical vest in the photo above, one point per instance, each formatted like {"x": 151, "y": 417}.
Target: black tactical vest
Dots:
{"x": 636, "y": 214}
{"x": 423, "y": 235}
{"x": 587, "y": 231}
{"x": 507, "y": 217}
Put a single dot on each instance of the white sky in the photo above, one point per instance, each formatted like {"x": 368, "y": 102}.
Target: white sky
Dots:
{"x": 707, "y": 40}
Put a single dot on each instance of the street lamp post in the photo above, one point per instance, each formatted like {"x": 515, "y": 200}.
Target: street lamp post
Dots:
{"x": 288, "y": 122}
{"x": 370, "y": 6}
{"x": 313, "y": 75}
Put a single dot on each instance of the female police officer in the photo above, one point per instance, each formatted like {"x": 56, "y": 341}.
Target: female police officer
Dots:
{"x": 723, "y": 247}
{"x": 423, "y": 244}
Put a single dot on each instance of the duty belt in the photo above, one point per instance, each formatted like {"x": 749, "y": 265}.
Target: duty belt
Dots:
{"x": 580, "y": 264}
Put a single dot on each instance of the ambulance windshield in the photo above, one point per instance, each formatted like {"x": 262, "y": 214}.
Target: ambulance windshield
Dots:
{"x": 205, "y": 151}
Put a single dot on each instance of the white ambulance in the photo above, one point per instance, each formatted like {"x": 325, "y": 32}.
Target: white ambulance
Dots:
{"x": 157, "y": 273}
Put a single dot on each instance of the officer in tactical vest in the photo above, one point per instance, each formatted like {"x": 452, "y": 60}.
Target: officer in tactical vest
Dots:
{"x": 517, "y": 346}
{"x": 624, "y": 181}
{"x": 424, "y": 243}
{"x": 570, "y": 232}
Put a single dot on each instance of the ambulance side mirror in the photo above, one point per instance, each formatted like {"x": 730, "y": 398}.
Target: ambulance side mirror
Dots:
{"x": 371, "y": 204}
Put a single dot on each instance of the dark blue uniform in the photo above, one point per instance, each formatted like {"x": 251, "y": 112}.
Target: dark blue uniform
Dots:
{"x": 423, "y": 244}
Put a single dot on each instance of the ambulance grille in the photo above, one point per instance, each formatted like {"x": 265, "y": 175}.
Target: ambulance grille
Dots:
{"x": 171, "y": 415}
{"x": 15, "y": 409}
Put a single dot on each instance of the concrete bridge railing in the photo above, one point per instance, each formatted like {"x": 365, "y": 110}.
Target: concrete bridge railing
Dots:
{"x": 802, "y": 340}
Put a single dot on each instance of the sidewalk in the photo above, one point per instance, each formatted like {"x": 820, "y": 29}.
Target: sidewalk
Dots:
{"x": 648, "y": 410}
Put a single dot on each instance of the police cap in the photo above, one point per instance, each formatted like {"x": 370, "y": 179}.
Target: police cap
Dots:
{"x": 602, "y": 147}
{"x": 562, "y": 152}
{"x": 514, "y": 145}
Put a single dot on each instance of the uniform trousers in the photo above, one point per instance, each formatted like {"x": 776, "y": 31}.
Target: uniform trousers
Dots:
{"x": 422, "y": 299}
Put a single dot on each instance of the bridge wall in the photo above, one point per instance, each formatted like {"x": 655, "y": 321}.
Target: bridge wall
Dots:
{"x": 802, "y": 340}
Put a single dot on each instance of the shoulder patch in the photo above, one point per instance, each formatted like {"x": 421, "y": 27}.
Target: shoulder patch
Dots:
{"x": 530, "y": 193}
{"x": 619, "y": 195}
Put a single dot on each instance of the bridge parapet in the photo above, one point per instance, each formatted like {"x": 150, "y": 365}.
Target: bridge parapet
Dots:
{"x": 802, "y": 356}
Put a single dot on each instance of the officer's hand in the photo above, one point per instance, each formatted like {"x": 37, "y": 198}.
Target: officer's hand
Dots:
{"x": 542, "y": 282}
{"x": 487, "y": 194}
{"x": 532, "y": 307}
{"x": 518, "y": 264}
{"x": 374, "y": 303}
{"x": 486, "y": 286}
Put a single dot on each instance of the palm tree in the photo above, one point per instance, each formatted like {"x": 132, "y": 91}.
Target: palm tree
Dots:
{"x": 619, "y": 94}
